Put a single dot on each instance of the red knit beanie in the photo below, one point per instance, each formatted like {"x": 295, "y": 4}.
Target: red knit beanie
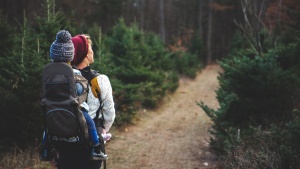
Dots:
{"x": 81, "y": 49}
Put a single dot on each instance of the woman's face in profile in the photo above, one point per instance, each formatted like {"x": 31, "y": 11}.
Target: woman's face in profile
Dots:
{"x": 90, "y": 54}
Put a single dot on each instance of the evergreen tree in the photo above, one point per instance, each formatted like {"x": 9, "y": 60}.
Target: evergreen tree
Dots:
{"x": 6, "y": 34}
{"x": 47, "y": 26}
{"x": 20, "y": 89}
{"x": 21, "y": 68}
{"x": 259, "y": 104}
{"x": 140, "y": 75}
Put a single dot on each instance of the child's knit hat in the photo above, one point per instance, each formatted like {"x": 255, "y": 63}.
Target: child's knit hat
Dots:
{"x": 62, "y": 49}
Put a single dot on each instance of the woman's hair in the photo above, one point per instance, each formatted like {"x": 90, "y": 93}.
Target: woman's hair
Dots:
{"x": 88, "y": 38}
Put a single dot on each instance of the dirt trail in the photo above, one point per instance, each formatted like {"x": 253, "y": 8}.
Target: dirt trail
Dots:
{"x": 175, "y": 136}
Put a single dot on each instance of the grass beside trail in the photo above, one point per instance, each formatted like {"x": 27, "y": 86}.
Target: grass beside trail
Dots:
{"x": 23, "y": 159}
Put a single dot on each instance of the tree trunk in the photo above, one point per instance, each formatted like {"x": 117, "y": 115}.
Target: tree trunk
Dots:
{"x": 142, "y": 6}
{"x": 209, "y": 34}
{"x": 162, "y": 20}
{"x": 200, "y": 16}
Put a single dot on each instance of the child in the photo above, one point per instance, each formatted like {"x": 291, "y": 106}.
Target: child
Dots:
{"x": 96, "y": 151}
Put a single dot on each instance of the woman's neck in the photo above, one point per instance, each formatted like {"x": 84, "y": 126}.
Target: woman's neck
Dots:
{"x": 83, "y": 64}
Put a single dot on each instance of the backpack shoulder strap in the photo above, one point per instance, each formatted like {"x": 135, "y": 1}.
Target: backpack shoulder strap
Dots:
{"x": 97, "y": 93}
{"x": 92, "y": 75}
{"x": 94, "y": 84}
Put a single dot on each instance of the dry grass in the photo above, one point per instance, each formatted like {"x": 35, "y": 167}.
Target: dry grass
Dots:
{"x": 256, "y": 150}
{"x": 22, "y": 159}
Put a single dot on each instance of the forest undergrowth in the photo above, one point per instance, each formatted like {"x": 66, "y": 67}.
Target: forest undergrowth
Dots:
{"x": 175, "y": 135}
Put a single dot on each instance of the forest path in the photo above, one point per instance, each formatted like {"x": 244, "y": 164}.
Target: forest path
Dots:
{"x": 175, "y": 136}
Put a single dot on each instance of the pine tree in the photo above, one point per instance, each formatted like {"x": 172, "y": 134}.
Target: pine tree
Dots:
{"x": 20, "y": 89}
{"x": 6, "y": 34}
{"x": 142, "y": 69}
{"x": 47, "y": 27}
{"x": 21, "y": 68}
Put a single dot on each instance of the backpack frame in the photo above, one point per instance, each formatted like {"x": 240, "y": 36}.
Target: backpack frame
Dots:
{"x": 64, "y": 120}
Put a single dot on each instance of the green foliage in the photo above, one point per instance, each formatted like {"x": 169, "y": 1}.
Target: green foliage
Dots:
{"x": 288, "y": 56}
{"x": 223, "y": 137}
{"x": 6, "y": 34}
{"x": 187, "y": 55}
{"x": 258, "y": 91}
{"x": 20, "y": 88}
{"x": 262, "y": 92}
{"x": 102, "y": 53}
{"x": 253, "y": 91}
{"x": 142, "y": 69}
{"x": 186, "y": 63}
{"x": 45, "y": 28}
{"x": 289, "y": 146}
{"x": 197, "y": 47}
{"x": 240, "y": 47}
{"x": 20, "y": 91}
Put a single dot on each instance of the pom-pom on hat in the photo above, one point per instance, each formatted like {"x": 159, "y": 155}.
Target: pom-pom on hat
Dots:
{"x": 81, "y": 49}
{"x": 62, "y": 49}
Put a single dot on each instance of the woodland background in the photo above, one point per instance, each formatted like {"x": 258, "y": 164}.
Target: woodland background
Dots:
{"x": 145, "y": 46}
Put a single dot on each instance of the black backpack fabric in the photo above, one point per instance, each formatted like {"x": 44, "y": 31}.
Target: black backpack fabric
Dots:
{"x": 64, "y": 121}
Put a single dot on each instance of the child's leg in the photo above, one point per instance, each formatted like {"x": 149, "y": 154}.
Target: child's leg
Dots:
{"x": 44, "y": 137}
{"x": 96, "y": 152}
{"x": 91, "y": 128}
{"x": 47, "y": 152}
{"x": 44, "y": 149}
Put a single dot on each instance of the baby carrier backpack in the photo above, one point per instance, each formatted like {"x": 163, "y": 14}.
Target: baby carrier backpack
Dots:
{"x": 64, "y": 121}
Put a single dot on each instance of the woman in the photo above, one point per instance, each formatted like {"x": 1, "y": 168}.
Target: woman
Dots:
{"x": 83, "y": 57}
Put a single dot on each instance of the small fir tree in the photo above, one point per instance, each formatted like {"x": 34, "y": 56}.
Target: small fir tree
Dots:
{"x": 142, "y": 69}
